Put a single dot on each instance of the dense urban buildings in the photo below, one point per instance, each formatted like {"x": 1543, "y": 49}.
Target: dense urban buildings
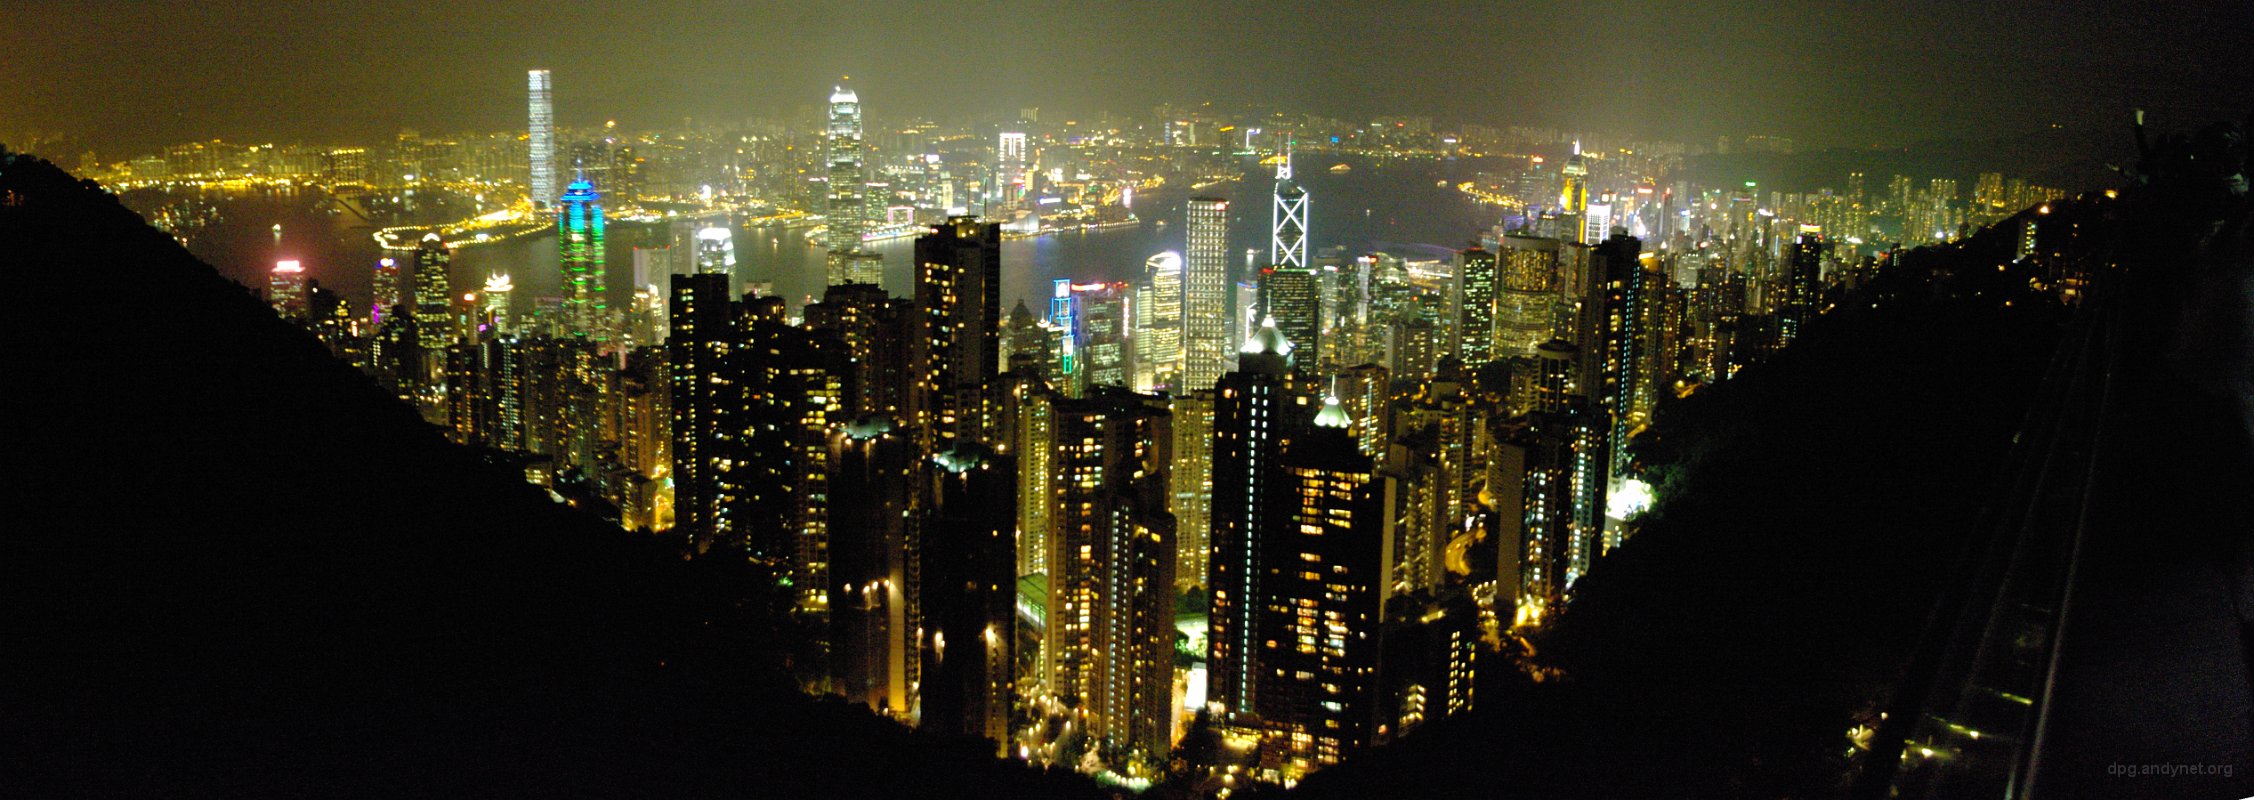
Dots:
{"x": 1287, "y": 492}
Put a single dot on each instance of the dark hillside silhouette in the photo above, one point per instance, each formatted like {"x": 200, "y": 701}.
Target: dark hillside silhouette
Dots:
{"x": 233, "y": 567}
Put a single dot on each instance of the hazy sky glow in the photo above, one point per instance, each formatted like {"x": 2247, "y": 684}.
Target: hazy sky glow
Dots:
{"x": 131, "y": 74}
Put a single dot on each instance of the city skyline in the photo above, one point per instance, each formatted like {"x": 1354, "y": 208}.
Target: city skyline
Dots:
{"x": 1567, "y": 399}
{"x": 1701, "y": 71}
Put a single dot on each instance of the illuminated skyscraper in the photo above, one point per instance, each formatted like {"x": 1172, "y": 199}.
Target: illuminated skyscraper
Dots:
{"x": 1573, "y": 202}
{"x": 542, "y": 135}
{"x": 1612, "y": 343}
{"x": 285, "y": 290}
{"x": 1537, "y": 483}
{"x": 876, "y": 329}
{"x": 1192, "y": 485}
{"x": 848, "y": 187}
{"x": 957, "y": 350}
{"x": 1292, "y": 296}
{"x": 1250, "y": 409}
{"x": 1473, "y": 294}
{"x": 388, "y": 290}
{"x": 1287, "y": 241}
{"x": 1205, "y": 297}
{"x": 716, "y": 250}
{"x": 495, "y": 314}
{"x": 702, "y": 335}
{"x": 1032, "y": 437}
{"x": 434, "y": 320}
{"x": 1526, "y": 302}
{"x": 1158, "y": 323}
{"x": 1322, "y": 600}
{"x": 1111, "y": 573}
{"x": 1095, "y": 335}
{"x": 579, "y": 232}
{"x": 1596, "y": 221}
{"x": 1011, "y": 163}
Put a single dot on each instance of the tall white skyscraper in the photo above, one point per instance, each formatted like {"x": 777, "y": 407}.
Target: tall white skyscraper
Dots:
{"x": 542, "y": 130}
{"x": 1205, "y": 299}
{"x": 1287, "y": 243}
{"x": 848, "y": 193}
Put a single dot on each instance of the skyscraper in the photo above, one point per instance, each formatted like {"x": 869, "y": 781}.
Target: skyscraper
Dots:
{"x": 1158, "y": 324}
{"x": 1526, "y": 301}
{"x": 957, "y": 350}
{"x": 848, "y": 186}
{"x": 1803, "y": 290}
{"x": 1612, "y": 342}
{"x": 1111, "y": 564}
{"x": 285, "y": 290}
{"x": 1292, "y": 296}
{"x": 1287, "y": 241}
{"x": 1573, "y": 202}
{"x": 967, "y": 600}
{"x": 1101, "y": 335}
{"x": 434, "y": 323}
{"x": 1192, "y": 485}
{"x": 494, "y": 315}
{"x": 1249, "y": 424}
{"x": 1011, "y": 163}
{"x": 1205, "y": 297}
{"x": 1473, "y": 295}
{"x": 579, "y": 234}
{"x": 388, "y": 291}
{"x": 541, "y": 132}
{"x": 716, "y": 250}
{"x": 871, "y": 612}
{"x": 702, "y": 322}
{"x": 876, "y": 329}
{"x": 1322, "y": 599}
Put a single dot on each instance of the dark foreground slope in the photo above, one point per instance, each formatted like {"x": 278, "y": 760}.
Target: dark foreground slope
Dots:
{"x": 1811, "y": 509}
{"x": 230, "y": 566}
{"x": 1821, "y": 509}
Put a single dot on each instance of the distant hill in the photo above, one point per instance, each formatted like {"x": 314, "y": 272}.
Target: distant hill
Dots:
{"x": 232, "y": 567}
{"x": 2073, "y": 159}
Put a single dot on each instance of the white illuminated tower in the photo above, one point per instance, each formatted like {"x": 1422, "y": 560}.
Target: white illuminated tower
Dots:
{"x": 1205, "y": 297}
{"x": 1287, "y": 244}
{"x": 542, "y": 135}
{"x": 1011, "y": 183}
{"x": 496, "y": 306}
{"x": 848, "y": 187}
{"x": 716, "y": 250}
{"x": 1158, "y": 323}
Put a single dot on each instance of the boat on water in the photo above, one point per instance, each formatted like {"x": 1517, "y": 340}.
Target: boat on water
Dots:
{"x": 1339, "y": 168}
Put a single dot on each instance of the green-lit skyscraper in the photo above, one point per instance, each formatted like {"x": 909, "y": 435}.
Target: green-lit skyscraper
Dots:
{"x": 579, "y": 232}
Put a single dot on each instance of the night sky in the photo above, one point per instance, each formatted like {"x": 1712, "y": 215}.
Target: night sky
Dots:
{"x": 128, "y": 75}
